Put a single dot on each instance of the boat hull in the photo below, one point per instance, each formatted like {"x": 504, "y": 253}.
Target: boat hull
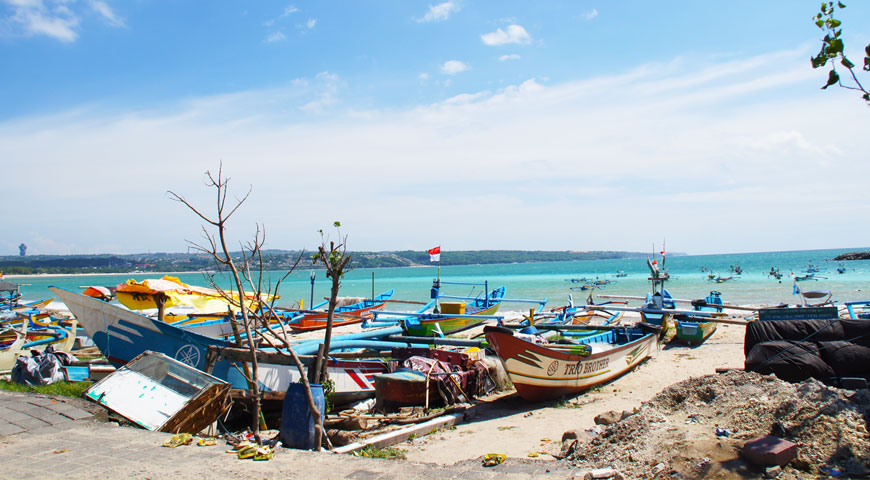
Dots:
{"x": 122, "y": 335}
{"x": 425, "y": 327}
{"x": 355, "y": 314}
{"x": 693, "y": 332}
{"x": 540, "y": 373}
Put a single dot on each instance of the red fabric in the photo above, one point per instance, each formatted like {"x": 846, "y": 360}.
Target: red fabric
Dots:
{"x": 435, "y": 251}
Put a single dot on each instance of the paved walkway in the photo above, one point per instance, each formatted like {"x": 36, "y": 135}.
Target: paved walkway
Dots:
{"x": 20, "y": 413}
{"x": 45, "y": 438}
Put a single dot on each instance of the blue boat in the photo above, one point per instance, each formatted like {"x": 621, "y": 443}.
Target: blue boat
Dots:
{"x": 122, "y": 335}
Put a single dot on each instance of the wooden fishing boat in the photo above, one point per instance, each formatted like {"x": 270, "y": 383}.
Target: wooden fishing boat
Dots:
{"x": 141, "y": 296}
{"x": 62, "y": 339}
{"x": 122, "y": 335}
{"x": 349, "y": 312}
{"x": 447, "y": 317}
{"x": 694, "y": 330}
{"x": 549, "y": 371}
{"x": 456, "y": 316}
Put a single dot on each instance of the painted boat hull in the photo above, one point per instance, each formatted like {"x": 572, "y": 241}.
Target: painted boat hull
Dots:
{"x": 427, "y": 327}
{"x": 693, "y": 332}
{"x": 122, "y": 335}
{"x": 541, "y": 373}
{"x": 317, "y": 321}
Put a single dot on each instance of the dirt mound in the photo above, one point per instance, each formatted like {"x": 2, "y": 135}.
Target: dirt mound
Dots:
{"x": 696, "y": 429}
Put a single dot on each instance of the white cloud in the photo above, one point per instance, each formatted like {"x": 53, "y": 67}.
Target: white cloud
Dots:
{"x": 440, "y": 12}
{"x": 706, "y": 143}
{"x": 423, "y": 76}
{"x": 275, "y": 37}
{"x": 590, "y": 14}
{"x": 33, "y": 17}
{"x": 452, "y": 67}
{"x": 107, "y": 13}
{"x": 514, "y": 34}
{"x": 328, "y": 86}
{"x": 512, "y": 56}
{"x": 288, "y": 10}
{"x": 311, "y": 23}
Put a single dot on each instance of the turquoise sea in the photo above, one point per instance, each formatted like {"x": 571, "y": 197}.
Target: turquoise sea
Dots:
{"x": 551, "y": 280}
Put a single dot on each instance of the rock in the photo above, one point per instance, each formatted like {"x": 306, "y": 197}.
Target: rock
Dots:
{"x": 570, "y": 435}
{"x": 568, "y": 447}
{"x": 804, "y": 465}
{"x": 628, "y": 413}
{"x": 852, "y": 256}
{"x": 659, "y": 468}
{"x": 602, "y": 473}
{"x": 608, "y": 418}
{"x": 772, "y": 472}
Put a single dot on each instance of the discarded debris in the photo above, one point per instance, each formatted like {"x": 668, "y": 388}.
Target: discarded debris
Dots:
{"x": 206, "y": 441}
{"x": 493, "y": 459}
{"x": 160, "y": 393}
{"x": 178, "y": 440}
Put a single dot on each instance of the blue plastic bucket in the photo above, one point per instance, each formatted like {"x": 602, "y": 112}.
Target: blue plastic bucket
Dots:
{"x": 297, "y": 422}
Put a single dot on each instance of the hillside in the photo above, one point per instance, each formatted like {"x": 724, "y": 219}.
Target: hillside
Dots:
{"x": 282, "y": 259}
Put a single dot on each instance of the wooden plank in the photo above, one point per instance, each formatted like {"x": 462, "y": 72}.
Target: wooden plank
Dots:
{"x": 233, "y": 354}
{"x": 398, "y": 436}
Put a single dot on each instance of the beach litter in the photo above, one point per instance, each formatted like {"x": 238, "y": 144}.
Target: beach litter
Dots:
{"x": 493, "y": 459}
{"x": 178, "y": 440}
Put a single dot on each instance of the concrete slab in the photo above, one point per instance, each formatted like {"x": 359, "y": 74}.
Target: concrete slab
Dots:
{"x": 10, "y": 429}
{"x": 30, "y": 423}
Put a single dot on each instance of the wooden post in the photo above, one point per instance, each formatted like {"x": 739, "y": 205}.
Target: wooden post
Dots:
{"x": 160, "y": 300}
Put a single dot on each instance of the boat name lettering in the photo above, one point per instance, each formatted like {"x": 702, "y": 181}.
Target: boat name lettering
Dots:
{"x": 582, "y": 368}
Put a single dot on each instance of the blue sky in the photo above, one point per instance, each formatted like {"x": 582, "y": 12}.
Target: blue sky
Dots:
{"x": 563, "y": 125}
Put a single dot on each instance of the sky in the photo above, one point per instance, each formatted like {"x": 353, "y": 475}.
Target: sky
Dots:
{"x": 552, "y": 125}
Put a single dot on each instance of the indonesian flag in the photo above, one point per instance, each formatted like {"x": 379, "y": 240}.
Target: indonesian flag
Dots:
{"x": 435, "y": 254}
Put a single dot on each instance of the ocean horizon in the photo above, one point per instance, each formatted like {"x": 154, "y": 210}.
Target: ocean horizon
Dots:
{"x": 550, "y": 280}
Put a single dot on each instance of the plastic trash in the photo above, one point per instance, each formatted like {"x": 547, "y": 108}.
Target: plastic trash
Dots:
{"x": 493, "y": 459}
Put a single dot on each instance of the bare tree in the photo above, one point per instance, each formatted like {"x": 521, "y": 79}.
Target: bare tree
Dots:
{"x": 256, "y": 307}
{"x": 335, "y": 259}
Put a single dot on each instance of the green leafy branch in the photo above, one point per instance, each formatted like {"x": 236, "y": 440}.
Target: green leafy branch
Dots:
{"x": 833, "y": 48}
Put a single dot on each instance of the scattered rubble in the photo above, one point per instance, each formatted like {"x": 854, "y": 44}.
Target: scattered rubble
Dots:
{"x": 674, "y": 435}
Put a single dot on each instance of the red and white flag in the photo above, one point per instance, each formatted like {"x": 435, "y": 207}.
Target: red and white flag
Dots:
{"x": 435, "y": 254}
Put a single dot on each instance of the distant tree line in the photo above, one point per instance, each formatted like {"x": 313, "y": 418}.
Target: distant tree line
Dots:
{"x": 281, "y": 259}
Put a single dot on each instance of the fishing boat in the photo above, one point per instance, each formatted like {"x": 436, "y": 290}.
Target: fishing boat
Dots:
{"x": 543, "y": 372}
{"x": 621, "y": 273}
{"x": 813, "y": 298}
{"x": 775, "y": 273}
{"x": 348, "y": 312}
{"x": 445, "y": 317}
{"x": 858, "y": 310}
{"x": 122, "y": 335}
{"x": 455, "y": 316}
{"x": 571, "y": 314}
{"x": 27, "y": 341}
{"x": 694, "y": 330}
{"x": 142, "y": 296}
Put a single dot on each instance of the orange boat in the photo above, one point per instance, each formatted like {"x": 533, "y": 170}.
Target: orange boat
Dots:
{"x": 348, "y": 312}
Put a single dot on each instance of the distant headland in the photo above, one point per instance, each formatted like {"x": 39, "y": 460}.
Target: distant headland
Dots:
{"x": 284, "y": 259}
{"x": 853, "y": 256}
